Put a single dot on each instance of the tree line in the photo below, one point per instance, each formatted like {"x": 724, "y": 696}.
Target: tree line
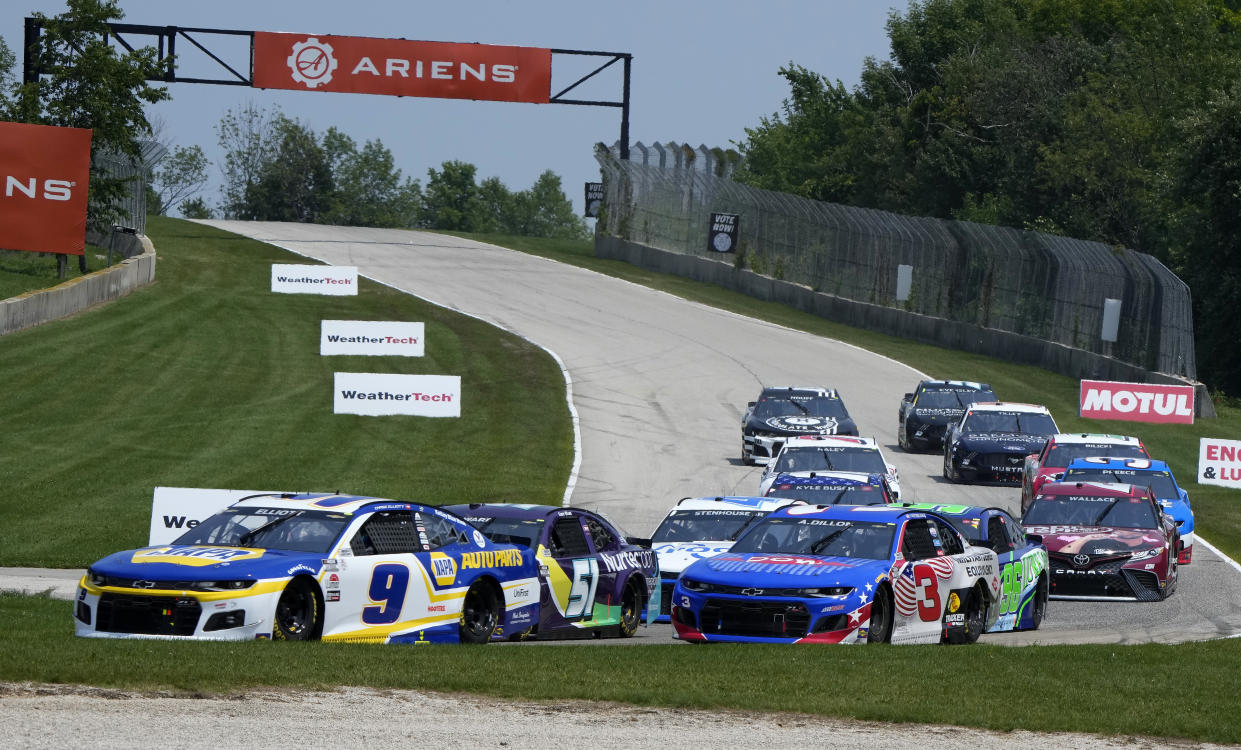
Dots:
{"x": 1110, "y": 120}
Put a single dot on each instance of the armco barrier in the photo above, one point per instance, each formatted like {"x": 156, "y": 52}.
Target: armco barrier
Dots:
{"x": 950, "y": 334}
{"x": 34, "y": 308}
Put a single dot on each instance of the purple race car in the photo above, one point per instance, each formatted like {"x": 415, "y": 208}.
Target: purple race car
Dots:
{"x": 595, "y": 581}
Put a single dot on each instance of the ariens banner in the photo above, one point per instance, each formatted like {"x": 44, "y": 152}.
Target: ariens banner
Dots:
{"x": 44, "y": 174}
{"x": 1219, "y": 462}
{"x": 1137, "y": 402}
{"x": 371, "y": 337}
{"x": 399, "y": 67}
{"x": 337, "y": 281}
{"x": 379, "y": 394}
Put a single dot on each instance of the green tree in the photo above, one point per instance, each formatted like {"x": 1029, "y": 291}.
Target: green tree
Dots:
{"x": 295, "y": 184}
{"x": 178, "y": 176}
{"x": 87, "y": 83}
{"x": 450, "y": 200}
{"x": 496, "y": 208}
{"x": 196, "y": 208}
{"x": 369, "y": 189}
{"x": 247, "y": 140}
{"x": 544, "y": 211}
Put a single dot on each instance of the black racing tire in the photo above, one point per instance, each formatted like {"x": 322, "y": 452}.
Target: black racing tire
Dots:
{"x": 901, "y": 438}
{"x": 950, "y": 471}
{"x": 299, "y": 613}
{"x": 882, "y": 614}
{"x": 480, "y": 613}
{"x": 631, "y": 608}
{"x": 746, "y": 458}
{"x": 975, "y": 617}
{"x": 1040, "y": 603}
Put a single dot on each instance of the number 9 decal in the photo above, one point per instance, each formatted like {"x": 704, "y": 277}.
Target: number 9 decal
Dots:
{"x": 389, "y": 582}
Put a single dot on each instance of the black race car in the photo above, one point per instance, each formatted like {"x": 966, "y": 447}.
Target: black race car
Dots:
{"x": 790, "y": 411}
{"x": 992, "y": 440}
{"x": 925, "y": 414}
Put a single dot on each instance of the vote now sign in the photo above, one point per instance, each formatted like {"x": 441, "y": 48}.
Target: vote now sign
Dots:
{"x": 1219, "y": 462}
{"x": 1137, "y": 402}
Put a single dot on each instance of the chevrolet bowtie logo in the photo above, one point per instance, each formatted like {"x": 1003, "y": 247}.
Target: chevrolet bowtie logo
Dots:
{"x": 751, "y": 592}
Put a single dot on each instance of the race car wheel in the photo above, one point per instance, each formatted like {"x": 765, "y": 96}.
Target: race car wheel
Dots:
{"x": 631, "y": 609}
{"x": 902, "y": 438}
{"x": 975, "y": 617}
{"x": 747, "y": 459}
{"x": 297, "y": 612}
{"x": 950, "y": 472}
{"x": 1040, "y": 603}
{"x": 881, "y": 613}
{"x": 480, "y": 613}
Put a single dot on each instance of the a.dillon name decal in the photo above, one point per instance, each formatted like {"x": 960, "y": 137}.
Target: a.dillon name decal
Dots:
{"x": 195, "y": 556}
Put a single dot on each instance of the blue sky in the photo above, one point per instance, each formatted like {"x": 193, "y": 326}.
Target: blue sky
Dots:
{"x": 702, "y": 73}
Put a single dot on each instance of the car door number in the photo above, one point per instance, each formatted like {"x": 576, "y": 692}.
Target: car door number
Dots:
{"x": 582, "y": 592}
{"x": 389, "y": 582}
{"x": 926, "y": 588}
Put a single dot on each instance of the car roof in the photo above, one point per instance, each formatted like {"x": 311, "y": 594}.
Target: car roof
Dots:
{"x": 803, "y": 441}
{"x": 876, "y": 513}
{"x": 1105, "y": 462}
{"x": 797, "y": 390}
{"x": 337, "y": 502}
{"x": 732, "y": 502}
{"x": 827, "y": 478}
{"x": 954, "y": 384}
{"x": 1094, "y": 437}
{"x": 1009, "y": 406}
{"x": 1103, "y": 489}
{"x": 506, "y": 510}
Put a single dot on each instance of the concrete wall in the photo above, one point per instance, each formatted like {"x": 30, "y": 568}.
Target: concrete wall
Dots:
{"x": 950, "y": 334}
{"x": 34, "y": 308}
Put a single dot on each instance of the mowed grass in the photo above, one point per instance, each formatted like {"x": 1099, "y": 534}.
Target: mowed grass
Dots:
{"x": 22, "y": 272}
{"x": 207, "y": 379}
{"x": 992, "y": 687}
{"x": 1217, "y": 510}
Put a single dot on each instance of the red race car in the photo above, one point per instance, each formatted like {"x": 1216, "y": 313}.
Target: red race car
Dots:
{"x": 1048, "y": 465}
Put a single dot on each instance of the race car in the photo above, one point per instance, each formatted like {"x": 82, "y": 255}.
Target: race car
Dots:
{"x": 992, "y": 440}
{"x": 821, "y": 453}
{"x": 832, "y": 488}
{"x": 1105, "y": 541}
{"x": 841, "y": 574}
{"x": 925, "y": 414}
{"x": 1147, "y": 472}
{"x": 1024, "y": 584}
{"x": 1049, "y": 464}
{"x": 701, "y": 527}
{"x": 780, "y": 413}
{"x": 315, "y": 566}
{"x": 593, "y": 580}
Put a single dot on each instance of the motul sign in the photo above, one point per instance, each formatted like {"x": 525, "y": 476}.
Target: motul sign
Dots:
{"x": 1137, "y": 402}
{"x": 44, "y": 173}
{"x": 397, "y": 67}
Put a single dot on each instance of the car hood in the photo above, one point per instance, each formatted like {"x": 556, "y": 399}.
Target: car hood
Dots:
{"x": 803, "y": 425}
{"x": 677, "y": 556}
{"x": 1095, "y": 540}
{"x": 937, "y": 416}
{"x": 1008, "y": 442}
{"x": 206, "y": 563}
{"x": 786, "y": 571}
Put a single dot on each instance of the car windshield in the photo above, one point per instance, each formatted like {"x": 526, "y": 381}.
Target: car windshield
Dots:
{"x": 269, "y": 528}
{"x": 835, "y": 458}
{"x": 1025, "y": 423}
{"x": 508, "y": 530}
{"x": 1061, "y": 455}
{"x": 1160, "y": 482}
{"x": 948, "y": 399}
{"x": 812, "y": 406}
{"x": 1091, "y": 510}
{"x": 830, "y": 494}
{"x": 815, "y": 536}
{"x": 705, "y": 525}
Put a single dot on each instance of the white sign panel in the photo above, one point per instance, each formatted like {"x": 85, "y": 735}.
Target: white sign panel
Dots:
{"x": 338, "y": 281}
{"x": 378, "y": 394}
{"x": 176, "y": 510}
{"x": 371, "y": 337}
{"x": 1219, "y": 462}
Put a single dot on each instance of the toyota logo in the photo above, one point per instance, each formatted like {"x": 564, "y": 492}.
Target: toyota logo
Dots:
{"x": 1081, "y": 561}
{"x": 751, "y": 592}
{"x": 144, "y": 584}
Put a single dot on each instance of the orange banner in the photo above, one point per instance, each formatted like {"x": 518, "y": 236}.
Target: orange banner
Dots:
{"x": 397, "y": 67}
{"x": 44, "y": 173}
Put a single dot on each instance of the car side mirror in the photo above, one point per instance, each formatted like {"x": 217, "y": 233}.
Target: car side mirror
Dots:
{"x": 751, "y": 405}
{"x": 1057, "y": 477}
{"x": 909, "y": 397}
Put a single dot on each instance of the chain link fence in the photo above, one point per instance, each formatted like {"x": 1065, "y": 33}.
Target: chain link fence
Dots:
{"x": 1029, "y": 283}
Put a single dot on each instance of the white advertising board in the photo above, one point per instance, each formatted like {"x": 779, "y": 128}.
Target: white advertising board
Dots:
{"x": 371, "y": 337}
{"x": 1219, "y": 462}
{"x": 337, "y": 281}
{"x": 176, "y": 510}
{"x": 379, "y": 394}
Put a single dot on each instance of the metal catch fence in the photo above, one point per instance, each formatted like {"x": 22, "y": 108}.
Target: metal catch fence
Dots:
{"x": 1039, "y": 285}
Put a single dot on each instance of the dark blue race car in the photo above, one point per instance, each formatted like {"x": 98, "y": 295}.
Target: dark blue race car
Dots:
{"x": 924, "y": 415}
{"x": 992, "y": 440}
{"x": 784, "y": 412}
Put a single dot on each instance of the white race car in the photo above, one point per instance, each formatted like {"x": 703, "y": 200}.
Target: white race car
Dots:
{"x": 820, "y": 453}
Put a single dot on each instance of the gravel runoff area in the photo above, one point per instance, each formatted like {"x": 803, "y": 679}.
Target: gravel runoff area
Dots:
{"x": 59, "y": 716}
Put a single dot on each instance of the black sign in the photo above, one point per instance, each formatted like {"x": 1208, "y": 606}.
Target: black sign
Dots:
{"x": 722, "y": 233}
{"x": 594, "y": 199}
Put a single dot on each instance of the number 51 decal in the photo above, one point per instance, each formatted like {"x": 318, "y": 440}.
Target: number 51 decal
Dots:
{"x": 582, "y": 593}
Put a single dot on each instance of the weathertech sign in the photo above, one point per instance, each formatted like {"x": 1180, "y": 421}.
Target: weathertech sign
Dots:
{"x": 371, "y": 338}
{"x": 377, "y": 394}
{"x": 397, "y": 67}
{"x": 44, "y": 173}
{"x": 1137, "y": 402}
{"x": 336, "y": 281}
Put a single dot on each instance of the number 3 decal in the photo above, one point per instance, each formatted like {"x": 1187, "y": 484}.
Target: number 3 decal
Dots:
{"x": 927, "y": 588}
{"x": 582, "y": 593}
{"x": 389, "y": 582}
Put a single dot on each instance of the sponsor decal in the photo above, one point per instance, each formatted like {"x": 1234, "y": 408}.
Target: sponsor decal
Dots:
{"x": 301, "y": 569}
{"x": 371, "y": 338}
{"x": 1219, "y": 462}
{"x": 335, "y": 281}
{"x": 332, "y": 596}
{"x": 804, "y": 424}
{"x": 399, "y": 67}
{"x": 437, "y": 608}
{"x": 195, "y": 556}
{"x": 628, "y": 560}
{"x": 444, "y": 568}
{"x": 44, "y": 174}
{"x": 520, "y": 616}
{"x": 957, "y": 619}
{"x": 378, "y": 394}
{"x": 594, "y": 199}
{"x": 478, "y": 539}
{"x": 917, "y": 588}
{"x": 500, "y": 558}
{"x": 1137, "y": 402}
{"x": 776, "y": 560}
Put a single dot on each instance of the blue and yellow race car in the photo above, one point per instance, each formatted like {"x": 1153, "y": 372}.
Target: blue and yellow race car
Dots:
{"x": 316, "y": 566}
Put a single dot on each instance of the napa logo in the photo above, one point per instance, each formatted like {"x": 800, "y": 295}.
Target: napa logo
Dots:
{"x": 444, "y": 568}
{"x": 195, "y": 556}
